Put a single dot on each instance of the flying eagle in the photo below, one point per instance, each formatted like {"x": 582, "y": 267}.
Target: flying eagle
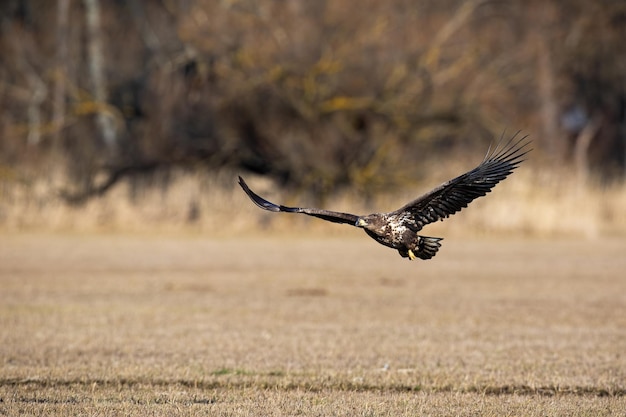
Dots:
{"x": 398, "y": 229}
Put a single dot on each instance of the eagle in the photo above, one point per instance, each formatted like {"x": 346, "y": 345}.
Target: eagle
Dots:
{"x": 399, "y": 229}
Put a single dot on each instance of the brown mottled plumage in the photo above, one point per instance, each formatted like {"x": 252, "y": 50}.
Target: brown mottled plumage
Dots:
{"x": 398, "y": 229}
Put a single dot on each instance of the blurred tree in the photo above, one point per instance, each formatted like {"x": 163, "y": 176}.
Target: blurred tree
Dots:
{"x": 581, "y": 79}
{"x": 593, "y": 62}
{"x": 316, "y": 94}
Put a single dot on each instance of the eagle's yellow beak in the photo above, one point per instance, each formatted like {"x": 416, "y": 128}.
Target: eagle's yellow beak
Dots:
{"x": 360, "y": 222}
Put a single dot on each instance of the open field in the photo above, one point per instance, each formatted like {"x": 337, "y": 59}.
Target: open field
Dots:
{"x": 119, "y": 325}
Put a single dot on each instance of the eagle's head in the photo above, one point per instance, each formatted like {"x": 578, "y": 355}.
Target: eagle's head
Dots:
{"x": 371, "y": 222}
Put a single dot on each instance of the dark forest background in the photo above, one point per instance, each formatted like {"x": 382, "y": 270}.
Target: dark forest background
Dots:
{"x": 316, "y": 95}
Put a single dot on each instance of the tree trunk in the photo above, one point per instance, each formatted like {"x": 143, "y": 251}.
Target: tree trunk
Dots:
{"x": 96, "y": 70}
{"x": 548, "y": 107}
{"x": 38, "y": 94}
{"x": 581, "y": 150}
{"x": 58, "y": 106}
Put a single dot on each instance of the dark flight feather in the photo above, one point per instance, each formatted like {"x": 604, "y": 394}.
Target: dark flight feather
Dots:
{"x": 454, "y": 195}
{"x": 331, "y": 216}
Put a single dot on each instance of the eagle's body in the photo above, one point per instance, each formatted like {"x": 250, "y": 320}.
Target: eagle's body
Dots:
{"x": 398, "y": 229}
{"x": 393, "y": 232}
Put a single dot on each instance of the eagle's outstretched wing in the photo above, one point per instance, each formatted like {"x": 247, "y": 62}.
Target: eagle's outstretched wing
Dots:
{"x": 331, "y": 216}
{"x": 457, "y": 193}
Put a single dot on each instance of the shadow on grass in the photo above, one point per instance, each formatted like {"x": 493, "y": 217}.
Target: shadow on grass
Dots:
{"x": 226, "y": 378}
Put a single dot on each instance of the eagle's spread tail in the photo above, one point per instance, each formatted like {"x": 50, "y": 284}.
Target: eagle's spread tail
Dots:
{"x": 426, "y": 248}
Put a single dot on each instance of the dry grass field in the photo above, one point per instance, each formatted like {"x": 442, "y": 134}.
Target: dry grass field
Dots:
{"x": 161, "y": 325}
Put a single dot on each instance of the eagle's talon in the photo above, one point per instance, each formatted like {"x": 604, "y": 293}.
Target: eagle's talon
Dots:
{"x": 411, "y": 255}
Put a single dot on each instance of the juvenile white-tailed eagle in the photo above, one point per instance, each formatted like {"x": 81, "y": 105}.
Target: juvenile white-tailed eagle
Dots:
{"x": 398, "y": 229}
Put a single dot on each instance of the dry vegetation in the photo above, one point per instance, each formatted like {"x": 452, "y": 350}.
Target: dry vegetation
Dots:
{"x": 249, "y": 326}
{"x": 532, "y": 202}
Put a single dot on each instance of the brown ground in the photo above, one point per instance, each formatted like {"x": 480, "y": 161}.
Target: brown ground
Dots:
{"x": 161, "y": 325}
